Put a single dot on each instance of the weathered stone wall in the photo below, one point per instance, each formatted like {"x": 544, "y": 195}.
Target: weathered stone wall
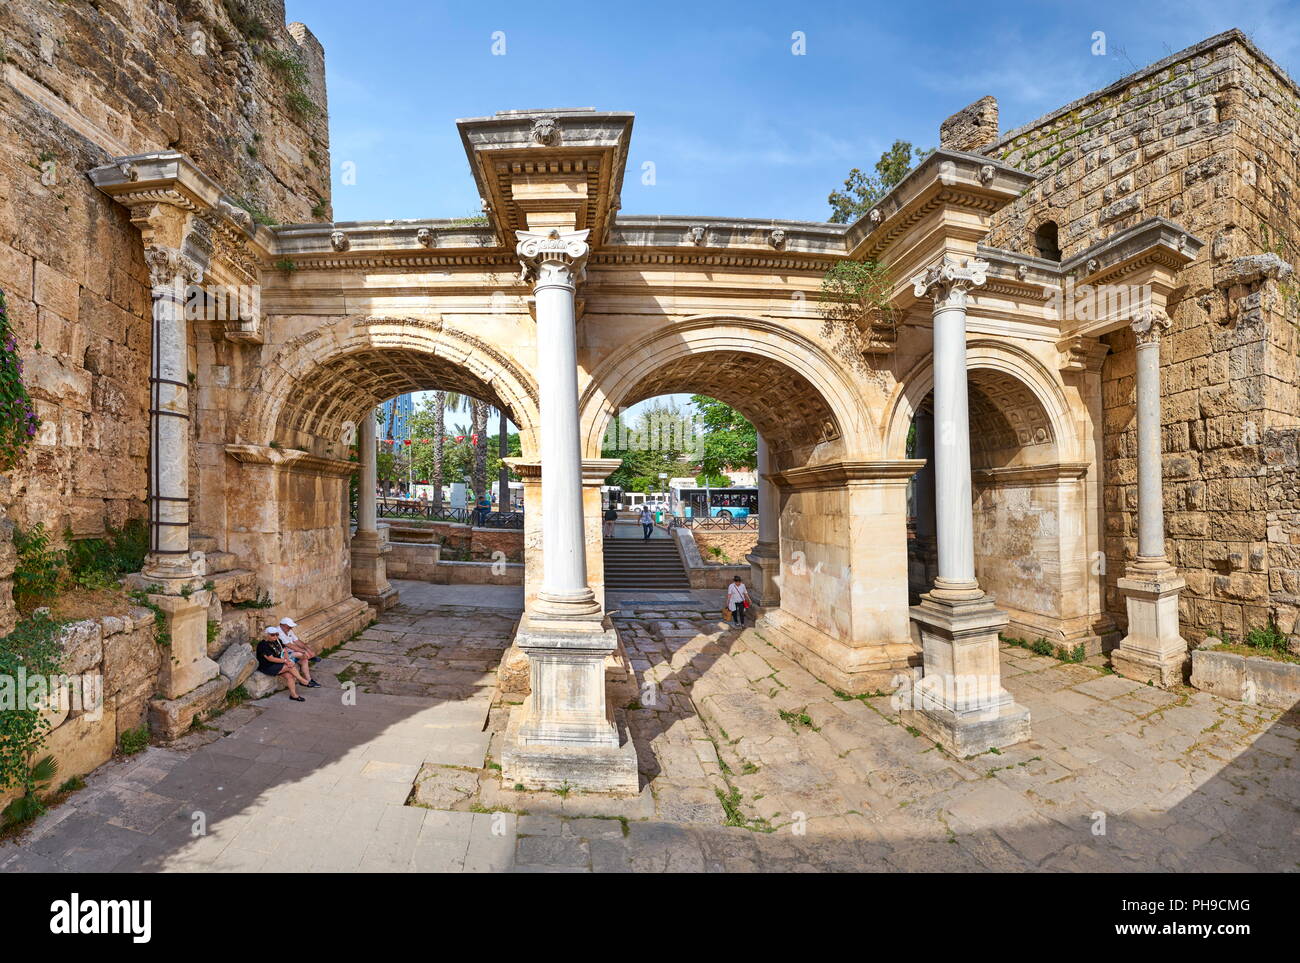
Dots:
{"x": 735, "y": 543}
{"x": 1208, "y": 138}
{"x": 79, "y": 84}
{"x": 120, "y": 652}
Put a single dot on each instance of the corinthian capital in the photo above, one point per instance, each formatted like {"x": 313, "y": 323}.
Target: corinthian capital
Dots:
{"x": 552, "y": 257}
{"x": 168, "y": 266}
{"x": 1148, "y": 324}
{"x": 947, "y": 282}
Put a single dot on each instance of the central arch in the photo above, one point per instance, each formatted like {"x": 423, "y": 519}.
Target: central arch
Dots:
{"x": 798, "y": 396}
{"x": 843, "y": 606}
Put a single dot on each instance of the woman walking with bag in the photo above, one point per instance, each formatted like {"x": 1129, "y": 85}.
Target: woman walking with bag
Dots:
{"x": 737, "y": 601}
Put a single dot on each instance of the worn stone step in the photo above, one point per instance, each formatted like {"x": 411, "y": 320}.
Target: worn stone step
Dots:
{"x": 236, "y": 585}
{"x": 217, "y": 562}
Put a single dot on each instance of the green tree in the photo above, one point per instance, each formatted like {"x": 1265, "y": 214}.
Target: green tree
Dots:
{"x": 862, "y": 191}
{"x": 663, "y": 439}
{"x": 730, "y": 441}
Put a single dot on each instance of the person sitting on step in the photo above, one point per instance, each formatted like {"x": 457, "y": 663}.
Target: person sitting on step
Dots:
{"x": 274, "y": 661}
{"x": 293, "y": 643}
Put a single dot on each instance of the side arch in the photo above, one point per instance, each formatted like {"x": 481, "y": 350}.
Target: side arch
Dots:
{"x": 986, "y": 354}
{"x": 320, "y": 379}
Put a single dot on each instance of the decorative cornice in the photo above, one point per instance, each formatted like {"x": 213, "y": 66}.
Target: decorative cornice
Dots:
{"x": 949, "y": 282}
{"x": 528, "y": 471}
{"x": 291, "y": 460}
{"x": 596, "y": 470}
{"x": 1082, "y": 354}
{"x": 840, "y": 473}
{"x": 1033, "y": 474}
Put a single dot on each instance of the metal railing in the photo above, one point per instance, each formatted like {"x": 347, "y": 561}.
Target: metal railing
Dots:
{"x": 716, "y": 522}
{"x": 416, "y": 509}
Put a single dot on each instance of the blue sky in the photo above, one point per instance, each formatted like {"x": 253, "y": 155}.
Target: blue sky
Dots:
{"x": 735, "y": 123}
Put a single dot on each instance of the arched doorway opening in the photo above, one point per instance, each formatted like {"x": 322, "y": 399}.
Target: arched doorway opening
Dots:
{"x": 842, "y": 609}
{"x": 285, "y": 508}
{"x": 1034, "y": 536}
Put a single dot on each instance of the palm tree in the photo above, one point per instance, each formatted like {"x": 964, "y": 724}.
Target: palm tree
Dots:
{"x": 478, "y": 429}
{"x": 439, "y": 436}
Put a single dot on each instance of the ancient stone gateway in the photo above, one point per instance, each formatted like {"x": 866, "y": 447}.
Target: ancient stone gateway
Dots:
{"x": 987, "y": 382}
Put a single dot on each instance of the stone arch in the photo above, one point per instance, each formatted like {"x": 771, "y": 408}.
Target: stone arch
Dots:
{"x": 324, "y": 377}
{"x": 797, "y": 395}
{"x": 1033, "y": 489}
{"x": 1031, "y": 399}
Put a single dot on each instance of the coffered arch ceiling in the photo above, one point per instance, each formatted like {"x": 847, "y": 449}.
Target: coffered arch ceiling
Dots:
{"x": 1008, "y": 424}
{"x": 788, "y": 411}
{"x": 337, "y": 390}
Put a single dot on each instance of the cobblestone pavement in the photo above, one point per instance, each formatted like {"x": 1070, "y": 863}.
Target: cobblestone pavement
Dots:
{"x": 749, "y": 763}
{"x": 315, "y": 786}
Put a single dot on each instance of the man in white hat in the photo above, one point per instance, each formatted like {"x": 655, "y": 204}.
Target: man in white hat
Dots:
{"x": 296, "y": 651}
{"x": 293, "y": 643}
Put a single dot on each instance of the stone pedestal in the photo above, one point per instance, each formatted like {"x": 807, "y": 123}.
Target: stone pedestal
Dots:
{"x": 765, "y": 575}
{"x": 960, "y": 702}
{"x": 1153, "y": 650}
{"x": 565, "y": 734}
{"x": 370, "y": 570}
{"x": 185, "y": 664}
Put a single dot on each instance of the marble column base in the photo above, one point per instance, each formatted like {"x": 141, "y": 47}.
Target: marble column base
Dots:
{"x": 565, "y": 733}
{"x": 1153, "y": 650}
{"x": 580, "y": 606}
{"x": 185, "y": 663}
{"x": 959, "y": 701}
{"x": 370, "y": 571}
{"x": 604, "y": 769}
{"x": 165, "y": 569}
{"x": 765, "y": 575}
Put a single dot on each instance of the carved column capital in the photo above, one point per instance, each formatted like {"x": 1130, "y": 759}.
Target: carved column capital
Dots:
{"x": 949, "y": 282}
{"x": 553, "y": 258}
{"x": 1148, "y": 324}
{"x": 167, "y": 265}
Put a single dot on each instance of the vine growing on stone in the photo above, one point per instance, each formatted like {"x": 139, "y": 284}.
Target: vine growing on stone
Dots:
{"x": 856, "y": 309}
{"x": 31, "y": 651}
{"x": 18, "y": 421}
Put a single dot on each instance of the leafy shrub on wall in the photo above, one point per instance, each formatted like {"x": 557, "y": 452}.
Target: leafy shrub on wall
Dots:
{"x": 18, "y": 421}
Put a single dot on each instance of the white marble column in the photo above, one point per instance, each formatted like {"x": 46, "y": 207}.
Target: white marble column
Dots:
{"x": 1151, "y": 509}
{"x": 1153, "y": 650}
{"x": 765, "y": 560}
{"x": 368, "y": 479}
{"x": 554, "y": 260}
{"x": 370, "y": 544}
{"x": 170, "y": 274}
{"x": 959, "y": 701}
{"x": 954, "y": 519}
{"x": 565, "y": 734}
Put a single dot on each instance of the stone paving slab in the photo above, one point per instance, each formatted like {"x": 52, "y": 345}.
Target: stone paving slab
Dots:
{"x": 749, "y": 763}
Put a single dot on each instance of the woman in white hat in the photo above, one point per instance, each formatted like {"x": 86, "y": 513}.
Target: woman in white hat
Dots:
{"x": 296, "y": 651}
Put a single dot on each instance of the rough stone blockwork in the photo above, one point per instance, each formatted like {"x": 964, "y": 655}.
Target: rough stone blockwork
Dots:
{"x": 79, "y": 84}
{"x": 1210, "y": 139}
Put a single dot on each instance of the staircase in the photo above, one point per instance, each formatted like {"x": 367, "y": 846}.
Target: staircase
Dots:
{"x": 631, "y": 563}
